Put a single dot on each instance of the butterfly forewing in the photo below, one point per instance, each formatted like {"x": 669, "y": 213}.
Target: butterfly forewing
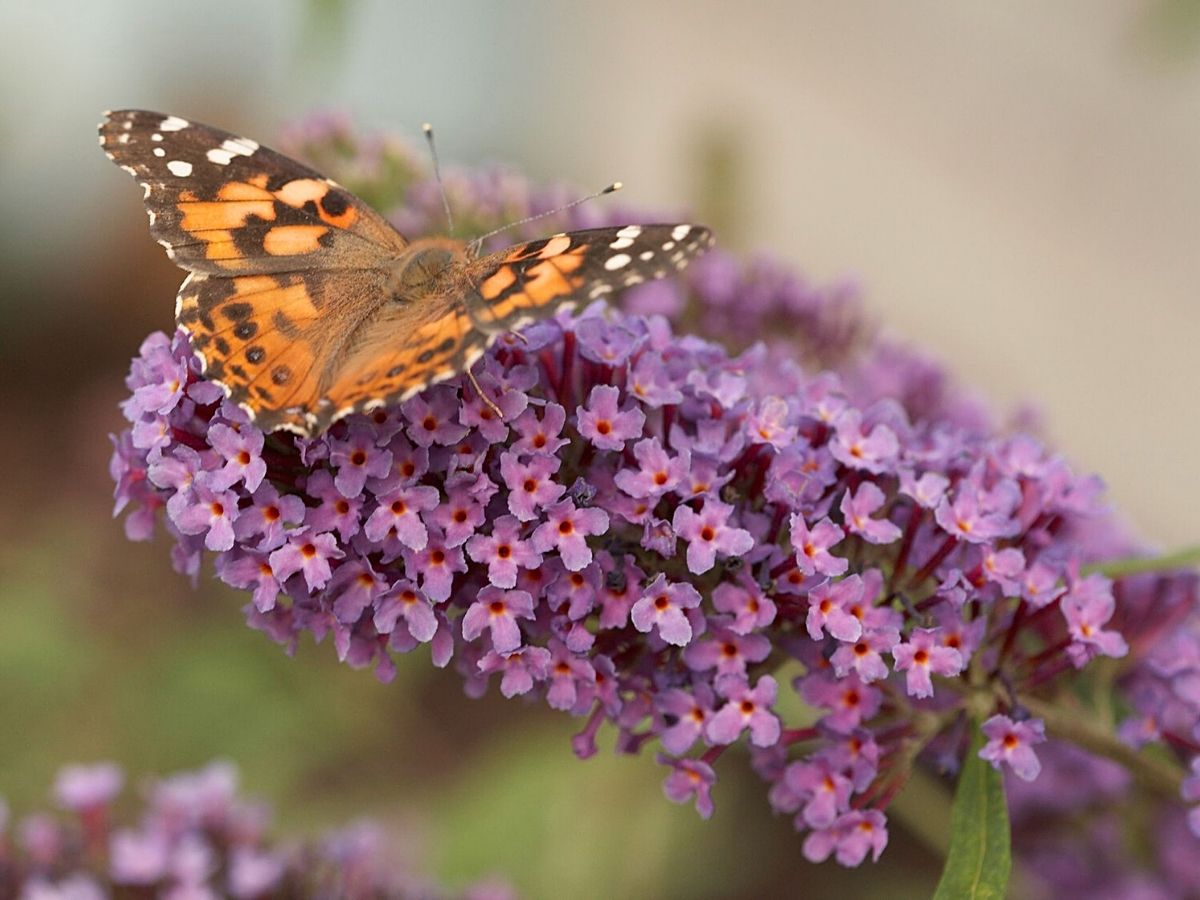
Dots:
{"x": 225, "y": 205}
{"x": 292, "y": 302}
{"x": 518, "y": 285}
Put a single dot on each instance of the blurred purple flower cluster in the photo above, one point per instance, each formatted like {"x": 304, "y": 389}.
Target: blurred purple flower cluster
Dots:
{"x": 694, "y": 546}
{"x": 194, "y": 839}
{"x": 1084, "y": 830}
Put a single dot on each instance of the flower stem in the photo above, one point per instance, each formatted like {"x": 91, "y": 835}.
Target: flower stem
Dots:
{"x": 1156, "y": 774}
{"x": 1187, "y": 558}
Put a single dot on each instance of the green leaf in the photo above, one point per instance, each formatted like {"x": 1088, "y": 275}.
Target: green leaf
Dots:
{"x": 980, "y": 857}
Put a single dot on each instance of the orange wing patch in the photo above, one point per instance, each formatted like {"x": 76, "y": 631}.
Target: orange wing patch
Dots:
{"x": 547, "y": 280}
{"x": 235, "y": 203}
{"x": 497, "y": 283}
{"x": 293, "y": 240}
{"x": 332, "y": 207}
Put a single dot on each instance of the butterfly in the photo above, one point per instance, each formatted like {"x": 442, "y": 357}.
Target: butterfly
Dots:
{"x": 305, "y": 305}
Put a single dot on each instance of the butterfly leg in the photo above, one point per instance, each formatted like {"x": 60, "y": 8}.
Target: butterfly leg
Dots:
{"x": 491, "y": 329}
{"x": 484, "y": 397}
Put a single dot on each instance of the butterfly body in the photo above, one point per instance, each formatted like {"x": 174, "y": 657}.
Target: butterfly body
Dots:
{"x": 306, "y": 305}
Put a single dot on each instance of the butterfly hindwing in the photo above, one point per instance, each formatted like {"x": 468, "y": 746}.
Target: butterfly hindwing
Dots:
{"x": 530, "y": 281}
{"x": 276, "y": 341}
{"x": 393, "y": 362}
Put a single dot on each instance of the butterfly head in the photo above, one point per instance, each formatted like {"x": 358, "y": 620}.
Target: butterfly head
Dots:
{"x": 424, "y": 268}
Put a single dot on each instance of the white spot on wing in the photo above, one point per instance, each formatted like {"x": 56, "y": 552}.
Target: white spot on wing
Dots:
{"x": 679, "y": 232}
{"x": 160, "y": 152}
{"x": 645, "y": 257}
{"x": 171, "y": 123}
{"x": 156, "y": 137}
{"x": 625, "y": 237}
{"x": 231, "y": 148}
{"x": 179, "y": 168}
{"x": 615, "y": 262}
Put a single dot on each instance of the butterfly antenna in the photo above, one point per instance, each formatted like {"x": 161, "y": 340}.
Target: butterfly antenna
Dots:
{"x": 478, "y": 242}
{"x": 437, "y": 173}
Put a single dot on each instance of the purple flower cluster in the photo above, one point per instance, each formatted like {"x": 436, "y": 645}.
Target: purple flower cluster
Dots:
{"x": 643, "y": 539}
{"x": 668, "y": 538}
{"x": 194, "y": 839}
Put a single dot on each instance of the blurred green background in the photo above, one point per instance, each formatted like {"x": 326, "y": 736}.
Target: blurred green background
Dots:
{"x": 1015, "y": 185}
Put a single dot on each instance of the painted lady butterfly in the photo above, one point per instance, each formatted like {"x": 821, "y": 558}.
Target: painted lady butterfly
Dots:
{"x": 305, "y": 305}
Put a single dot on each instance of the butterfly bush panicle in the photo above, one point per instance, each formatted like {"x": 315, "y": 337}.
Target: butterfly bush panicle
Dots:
{"x": 701, "y": 548}
{"x": 194, "y": 837}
